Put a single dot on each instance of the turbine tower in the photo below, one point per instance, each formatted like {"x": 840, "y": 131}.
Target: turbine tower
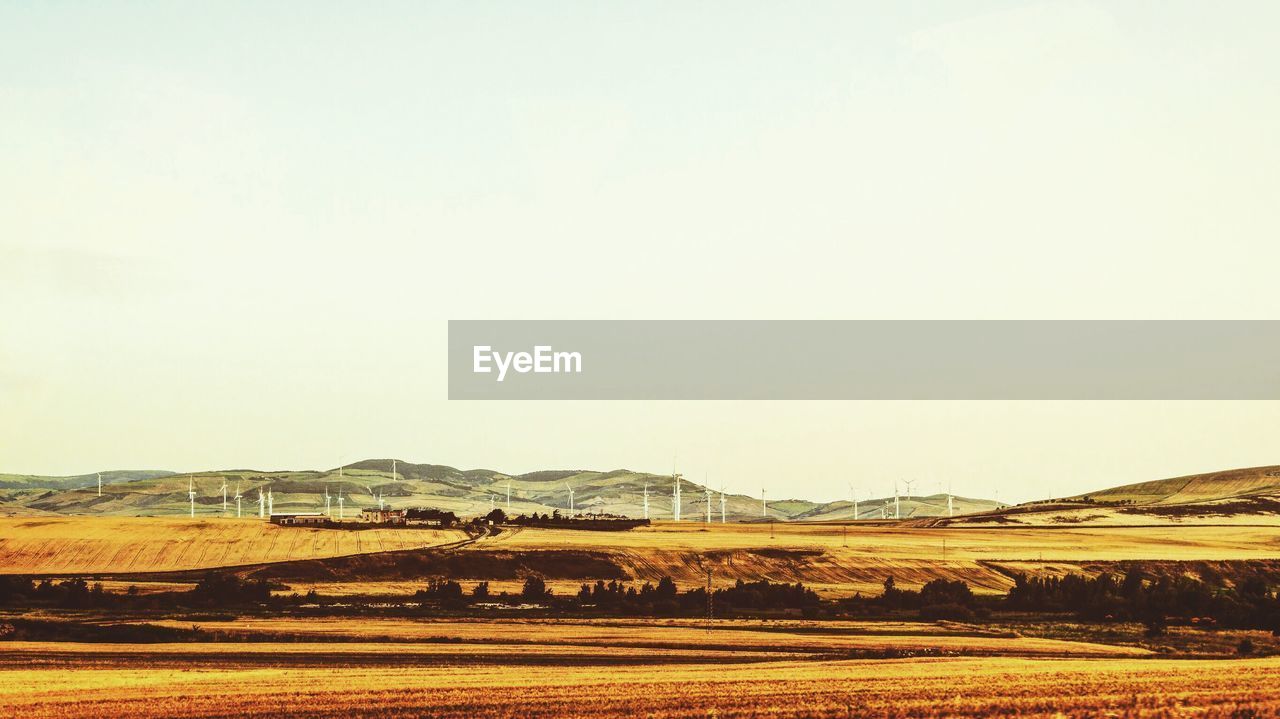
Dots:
{"x": 341, "y": 515}
{"x": 853, "y": 495}
{"x": 675, "y": 495}
{"x": 646, "y": 500}
{"x": 224, "y": 495}
{"x": 262, "y": 504}
{"x": 271, "y": 502}
{"x": 508, "y": 495}
{"x": 909, "y": 483}
{"x": 99, "y": 484}
{"x": 897, "y": 506}
{"x": 327, "y": 511}
{"x": 571, "y": 510}
{"x": 191, "y": 493}
{"x": 382, "y": 505}
{"x": 237, "y": 500}
{"x": 393, "y": 470}
{"x": 708, "y": 490}
{"x": 764, "y": 506}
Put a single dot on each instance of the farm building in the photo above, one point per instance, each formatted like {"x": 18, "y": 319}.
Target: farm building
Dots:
{"x": 374, "y": 515}
{"x": 299, "y": 518}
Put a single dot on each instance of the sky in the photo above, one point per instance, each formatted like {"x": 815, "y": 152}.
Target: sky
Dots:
{"x": 232, "y": 234}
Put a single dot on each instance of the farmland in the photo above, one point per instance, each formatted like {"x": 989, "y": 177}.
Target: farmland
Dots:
{"x": 66, "y": 545}
{"x": 535, "y": 680}
{"x": 341, "y": 627}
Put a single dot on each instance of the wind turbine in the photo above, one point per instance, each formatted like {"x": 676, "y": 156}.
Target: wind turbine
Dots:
{"x": 853, "y": 495}
{"x": 341, "y": 514}
{"x": 224, "y": 495}
{"x": 708, "y": 490}
{"x": 909, "y": 483}
{"x": 646, "y": 500}
{"x": 99, "y": 484}
{"x": 327, "y": 511}
{"x": 382, "y": 505}
{"x": 237, "y": 500}
{"x": 897, "y": 506}
{"x": 271, "y": 502}
{"x": 191, "y": 493}
{"x": 675, "y": 494}
{"x": 393, "y": 470}
{"x": 951, "y": 510}
{"x": 508, "y": 495}
{"x": 262, "y": 504}
{"x": 571, "y": 510}
{"x": 764, "y": 506}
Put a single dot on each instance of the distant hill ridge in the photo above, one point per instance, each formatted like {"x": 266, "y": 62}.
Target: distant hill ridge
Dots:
{"x": 468, "y": 492}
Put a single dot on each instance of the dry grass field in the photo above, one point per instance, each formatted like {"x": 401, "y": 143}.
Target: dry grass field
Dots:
{"x": 816, "y": 553}
{"x": 64, "y": 545}
{"x": 518, "y": 680}
{"x": 812, "y": 637}
{"x": 834, "y": 560}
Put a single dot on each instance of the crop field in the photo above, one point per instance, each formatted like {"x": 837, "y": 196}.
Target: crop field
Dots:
{"x": 839, "y": 561}
{"x": 58, "y": 545}
{"x": 721, "y": 635}
{"x": 517, "y": 680}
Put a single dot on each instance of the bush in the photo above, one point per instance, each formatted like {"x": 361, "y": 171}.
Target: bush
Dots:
{"x": 1245, "y": 646}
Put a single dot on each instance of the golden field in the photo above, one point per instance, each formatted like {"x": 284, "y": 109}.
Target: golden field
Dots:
{"x": 813, "y": 553}
{"x": 65, "y": 545}
{"x": 816, "y": 553}
{"x": 47, "y": 679}
{"x": 721, "y": 635}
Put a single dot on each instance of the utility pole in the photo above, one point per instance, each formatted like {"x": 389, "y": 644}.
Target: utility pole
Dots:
{"x": 710, "y": 602}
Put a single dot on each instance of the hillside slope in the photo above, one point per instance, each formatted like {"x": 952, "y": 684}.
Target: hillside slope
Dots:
{"x": 405, "y": 484}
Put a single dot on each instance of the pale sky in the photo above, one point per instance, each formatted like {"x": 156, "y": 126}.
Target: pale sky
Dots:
{"x": 231, "y": 234}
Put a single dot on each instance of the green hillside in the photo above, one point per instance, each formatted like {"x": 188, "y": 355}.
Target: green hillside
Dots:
{"x": 466, "y": 492}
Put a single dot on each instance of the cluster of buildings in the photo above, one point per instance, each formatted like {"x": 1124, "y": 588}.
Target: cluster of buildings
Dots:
{"x": 369, "y": 515}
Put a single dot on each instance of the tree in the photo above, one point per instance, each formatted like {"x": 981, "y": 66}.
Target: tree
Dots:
{"x": 535, "y": 589}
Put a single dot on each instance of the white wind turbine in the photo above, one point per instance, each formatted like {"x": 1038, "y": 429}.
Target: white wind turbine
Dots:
{"x": 271, "y": 502}
{"x": 327, "y": 511}
{"x": 381, "y": 505}
{"x": 341, "y": 513}
{"x": 708, "y": 491}
{"x": 675, "y": 495}
{"x": 237, "y": 500}
{"x": 646, "y": 500}
{"x": 910, "y": 483}
{"x": 572, "y": 512}
{"x": 99, "y": 484}
{"x": 897, "y": 506}
{"x": 191, "y": 493}
{"x": 224, "y": 495}
{"x": 393, "y": 470}
{"x": 853, "y": 495}
{"x": 262, "y": 504}
{"x": 951, "y": 510}
{"x": 508, "y": 495}
{"x": 722, "y": 515}
{"x": 764, "y": 506}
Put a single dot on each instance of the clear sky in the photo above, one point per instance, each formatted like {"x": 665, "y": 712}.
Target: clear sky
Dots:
{"x": 231, "y": 233}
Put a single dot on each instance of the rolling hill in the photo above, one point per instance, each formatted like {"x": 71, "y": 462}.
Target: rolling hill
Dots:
{"x": 1235, "y": 496}
{"x": 466, "y": 492}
